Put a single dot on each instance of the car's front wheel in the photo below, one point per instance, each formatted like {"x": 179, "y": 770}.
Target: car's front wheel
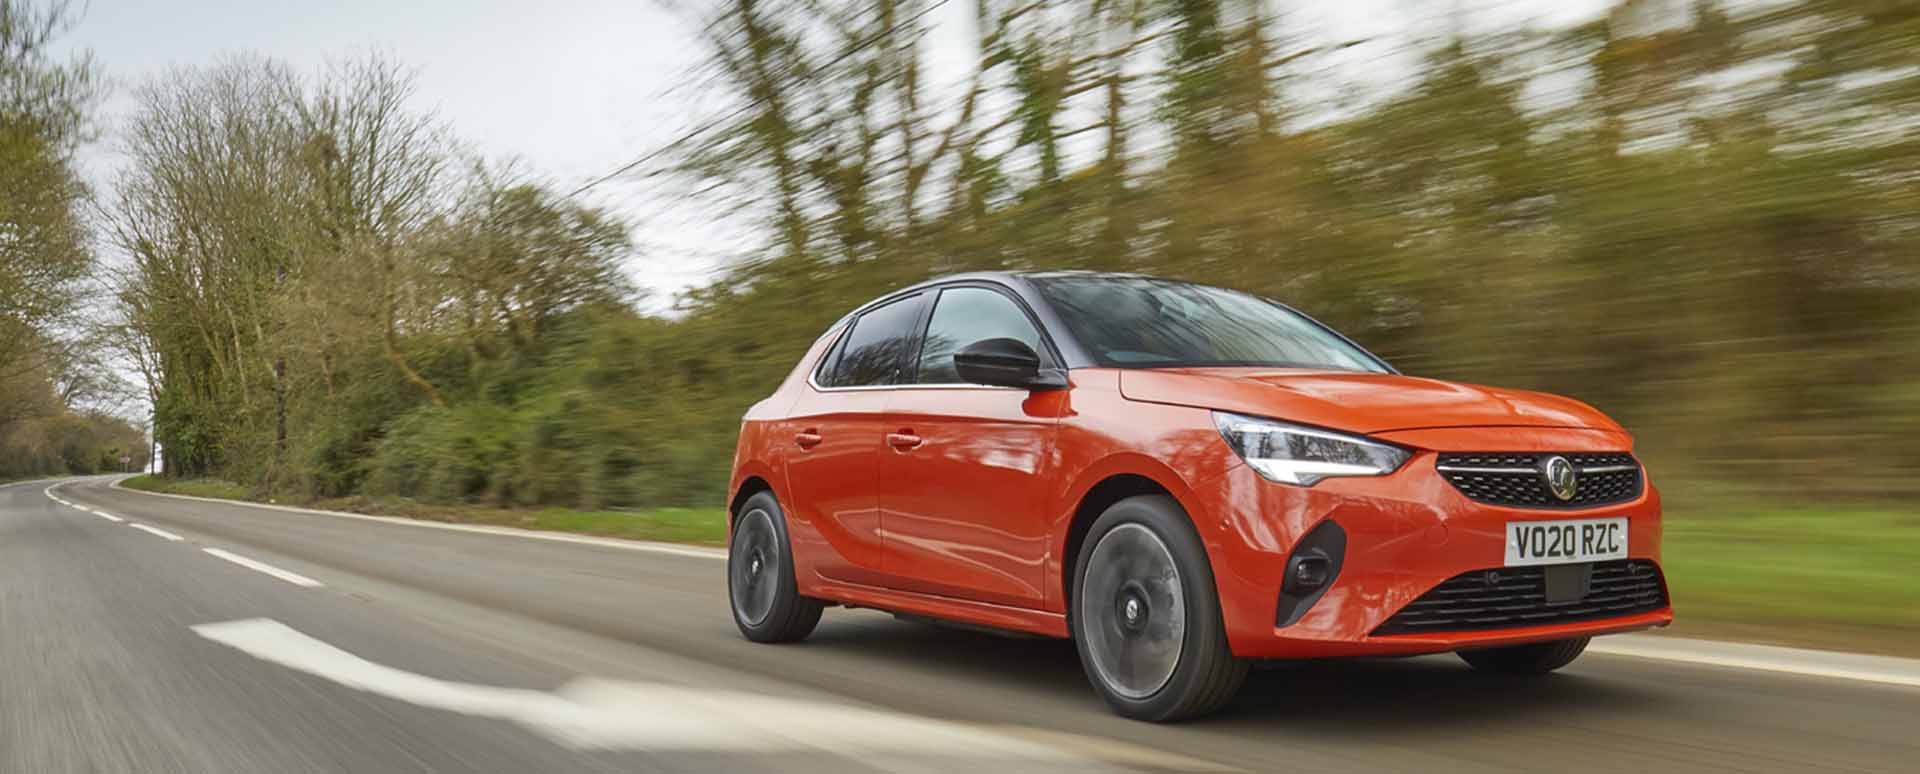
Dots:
{"x": 1146, "y": 616}
{"x": 1536, "y": 659}
{"x": 766, "y": 600}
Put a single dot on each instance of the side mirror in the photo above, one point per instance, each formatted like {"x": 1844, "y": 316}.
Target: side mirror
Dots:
{"x": 1006, "y": 363}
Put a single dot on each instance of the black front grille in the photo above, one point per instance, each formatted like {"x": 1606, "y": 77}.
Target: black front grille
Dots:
{"x": 1513, "y": 479}
{"x": 1513, "y": 597}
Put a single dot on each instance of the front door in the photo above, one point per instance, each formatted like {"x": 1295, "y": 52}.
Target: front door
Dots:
{"x": 961, "y": 470}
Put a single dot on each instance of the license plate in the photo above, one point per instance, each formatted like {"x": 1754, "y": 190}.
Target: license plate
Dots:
{"x": 1561, "y": 542}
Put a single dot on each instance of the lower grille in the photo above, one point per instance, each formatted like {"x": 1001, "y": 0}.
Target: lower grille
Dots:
{"x": 1513, "y": 597}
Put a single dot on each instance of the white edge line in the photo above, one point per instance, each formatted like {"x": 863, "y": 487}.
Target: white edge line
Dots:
{"x": 1758, "y": 664}
{"x": 156, "y": 531}
{"x": 556, "y": 537}
{"x": 262, "y": 567}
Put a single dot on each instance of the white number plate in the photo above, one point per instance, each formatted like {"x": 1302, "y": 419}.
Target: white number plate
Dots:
{"x": 1564, "y": 542}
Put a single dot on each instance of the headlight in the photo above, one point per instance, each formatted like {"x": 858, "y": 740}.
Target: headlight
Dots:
{"x": 1291, "y": 454}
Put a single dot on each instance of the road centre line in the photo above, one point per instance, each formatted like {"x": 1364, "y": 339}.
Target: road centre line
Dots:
{"x": 262, "y": 567}
{"x": 156, "y": 531}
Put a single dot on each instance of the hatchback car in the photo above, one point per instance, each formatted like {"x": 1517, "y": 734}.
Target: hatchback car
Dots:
{"x": 1182, "y": 479}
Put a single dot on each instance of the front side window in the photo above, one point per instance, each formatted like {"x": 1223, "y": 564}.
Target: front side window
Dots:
{"x": 874, "y": 352}
{"x": 1137, "y": 322}
{"x": 964, "y": 316}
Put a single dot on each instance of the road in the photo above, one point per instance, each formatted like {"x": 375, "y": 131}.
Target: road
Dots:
{"x": 227, "y": 638}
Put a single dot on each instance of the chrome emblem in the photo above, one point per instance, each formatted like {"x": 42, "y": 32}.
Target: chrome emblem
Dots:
{"x": 1562, "y": 480}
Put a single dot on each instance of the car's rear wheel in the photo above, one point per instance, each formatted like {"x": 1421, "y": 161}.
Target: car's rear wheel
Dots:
{"x": 766, "y": 600}
{"x": 1536, "y": 659}
{"x": 1146, "y": 615}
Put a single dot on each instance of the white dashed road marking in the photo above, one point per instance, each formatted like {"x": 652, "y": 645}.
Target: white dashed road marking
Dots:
{"x": 291, "y": 577}
{"x": 156, "y": 531}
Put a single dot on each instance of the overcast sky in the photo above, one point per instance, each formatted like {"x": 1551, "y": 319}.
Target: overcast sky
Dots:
{"x": 578, "y": 87}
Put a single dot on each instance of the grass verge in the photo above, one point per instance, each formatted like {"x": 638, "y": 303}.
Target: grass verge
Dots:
{"x": 1838, "y": 578}
{"x": 197, "y": 487}
{"x": 1821, "y": 577}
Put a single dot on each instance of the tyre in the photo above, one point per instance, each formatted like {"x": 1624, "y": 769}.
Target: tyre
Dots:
{"x": 1145, "y": 615}
{"x": 766, "y": 601}
{"x": 1536, "y": 659}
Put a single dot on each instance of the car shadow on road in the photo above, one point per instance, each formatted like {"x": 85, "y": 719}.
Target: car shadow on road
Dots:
{"x": 1423, "y": 695}
{"x": 1334, "y": 698}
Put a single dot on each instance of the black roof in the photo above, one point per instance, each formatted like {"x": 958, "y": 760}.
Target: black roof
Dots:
{"x": 1012, "y": 278}
{"x": 1070, "y": 349}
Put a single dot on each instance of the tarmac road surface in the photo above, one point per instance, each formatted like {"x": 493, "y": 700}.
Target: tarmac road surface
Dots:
{"x": 141, "y": 633}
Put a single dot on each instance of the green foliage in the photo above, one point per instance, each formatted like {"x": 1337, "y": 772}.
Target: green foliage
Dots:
{"x": 63, "y": 443}
{"x": 45, "y": 427}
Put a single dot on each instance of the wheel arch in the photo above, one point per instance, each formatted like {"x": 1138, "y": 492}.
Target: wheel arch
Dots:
{"x": 1118, "y": 480}
{"x": 751, "y": 482}
{"x": 752, "y": 485}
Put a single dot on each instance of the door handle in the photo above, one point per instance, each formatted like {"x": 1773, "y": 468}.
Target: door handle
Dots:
{"x": 808, "y": 439}
{"x": 904, "y": 440}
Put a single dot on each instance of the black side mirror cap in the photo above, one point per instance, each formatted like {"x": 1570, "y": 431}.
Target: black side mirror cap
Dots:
{"x": 1006, "y": 363}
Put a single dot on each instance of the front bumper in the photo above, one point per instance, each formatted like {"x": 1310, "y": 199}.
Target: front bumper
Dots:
{"x": 1406, "y": 533}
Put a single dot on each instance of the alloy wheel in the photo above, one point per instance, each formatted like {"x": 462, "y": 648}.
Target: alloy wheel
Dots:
{"x": 1133, "y": 610}
{"x": 754, "y": 567}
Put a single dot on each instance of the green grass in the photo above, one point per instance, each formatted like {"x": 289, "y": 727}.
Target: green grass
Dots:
{"x": 1785, "y": 566}
{"x": 680, "y": 525}
{"x": 195, "y": 487}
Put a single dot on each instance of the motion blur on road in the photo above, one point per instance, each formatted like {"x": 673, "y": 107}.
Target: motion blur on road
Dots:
{"x": 353, "y": 279}
{"x": 420, "y": 648}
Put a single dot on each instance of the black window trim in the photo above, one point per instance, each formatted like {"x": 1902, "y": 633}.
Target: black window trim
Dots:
{"x": 909, "y": 368}
{"x": 832, "y": 356}
{"x": 1050, "y": 356}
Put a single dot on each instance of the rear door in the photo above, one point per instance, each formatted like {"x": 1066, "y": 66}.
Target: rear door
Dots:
{"x": 836, "y": 428}
{"x": 960, "y": 476}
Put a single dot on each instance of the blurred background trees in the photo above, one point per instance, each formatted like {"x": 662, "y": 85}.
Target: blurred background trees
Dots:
{"x": 53, "y": 385}
{"x": 1702, "y": 217}
{"x": 1699, "y": 216}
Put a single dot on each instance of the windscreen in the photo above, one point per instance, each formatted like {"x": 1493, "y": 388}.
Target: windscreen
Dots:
{"x": 1138, "y": 322}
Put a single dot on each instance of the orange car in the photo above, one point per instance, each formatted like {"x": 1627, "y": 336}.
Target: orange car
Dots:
{"x": 1182, "y": 479}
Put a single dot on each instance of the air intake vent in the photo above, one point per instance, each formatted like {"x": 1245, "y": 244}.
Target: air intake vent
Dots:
{"x": 1514, "y": 597}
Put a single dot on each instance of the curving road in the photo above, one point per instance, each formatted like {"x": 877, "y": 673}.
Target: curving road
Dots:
{"x": 149, "y": 634}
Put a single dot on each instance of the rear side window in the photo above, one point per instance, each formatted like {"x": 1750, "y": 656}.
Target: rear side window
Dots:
{"x": 875, "y": 352}
{"x": 964, "y": 316}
